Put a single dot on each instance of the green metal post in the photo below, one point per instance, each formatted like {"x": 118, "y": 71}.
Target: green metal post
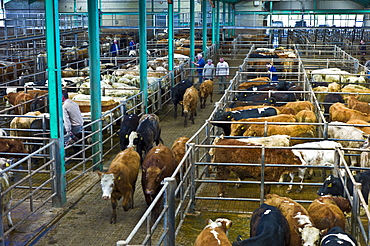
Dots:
{"x": 143, "y": 60}
{"x": 213, "y": 24}
{"x": 55, "y": 97}
{"x": 228, "y": 19}
{"x": 233, "y": 19}
{"x": 192, "y": 30}
{"x": 218, "y": 23}
{"x": 204, "y": 21}
{"x": 224, "y": 19}
{"x": 171, "y": 55}
{"x": 95, "y": 90}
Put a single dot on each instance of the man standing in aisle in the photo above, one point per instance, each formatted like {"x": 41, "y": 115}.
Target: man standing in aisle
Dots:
{"x": 209, "y": 70}
{"x": 200, "y": 64}
{"x": 222, "y": 73}
{"x": 72, "y": 117}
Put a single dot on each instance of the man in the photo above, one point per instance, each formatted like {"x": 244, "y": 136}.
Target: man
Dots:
{"x": 114, "y": 48}
{"x": 72, "y": 117}
{"x": 209, "y": 70}
{"x": 132, "y": 48}
{"x": 200, "y": 64}
{"x": 271, "y": 70}
{"x": 222, "y": 73}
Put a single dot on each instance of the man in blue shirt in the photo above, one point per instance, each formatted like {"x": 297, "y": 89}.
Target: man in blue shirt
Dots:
{"x": 114, "y": 48}
{"x": 271, "y": 70}
{"x": 200, "y": 64}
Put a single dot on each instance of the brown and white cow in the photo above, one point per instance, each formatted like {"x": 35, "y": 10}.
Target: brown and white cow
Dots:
{"x": 214, "y": 233}
{"x": 120, "y": 180}
{"x": 159, "y": 163}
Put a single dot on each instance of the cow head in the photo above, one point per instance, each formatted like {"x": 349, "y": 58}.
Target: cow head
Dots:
{"x": 107, "y": 184}
{"x": 310, "y": 235}
{"x": 153, "y": 176}
{"x": 332, "y": 186}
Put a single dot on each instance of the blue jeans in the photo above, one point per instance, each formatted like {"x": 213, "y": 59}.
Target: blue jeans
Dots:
{"x": 200, "y": 76}
{"x": 75, "y": 130}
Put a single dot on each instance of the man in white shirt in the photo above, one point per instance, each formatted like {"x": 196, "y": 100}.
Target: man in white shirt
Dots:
{"x": 222, "y": 73}
{"x": 72, "y": 117}
{"x": 209, "y": 70}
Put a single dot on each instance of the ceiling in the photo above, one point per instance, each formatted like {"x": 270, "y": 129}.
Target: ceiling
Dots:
{"x": 365, "y": 3}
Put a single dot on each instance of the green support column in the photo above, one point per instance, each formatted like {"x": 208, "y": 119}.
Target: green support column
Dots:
{"x": 204, "y": 30}
{"x": 192, "y": 30}
{"x": 213, "y": 24}
{"x": 95, "y": 88}
{"x": 55, "y": 98}
{"x": 228, "y": 19}
{"x": 143, "y": 60}
{"x": 224, "y": 19}
{"x": 233, "y": 19}
{"x": 171, "y": 55}
{"x": 217, "y": 23}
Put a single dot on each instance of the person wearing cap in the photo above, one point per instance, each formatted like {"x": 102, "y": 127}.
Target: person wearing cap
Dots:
{"x": 200, "y": 64}
{"x": 209, "y": 70}
{"x": 114, "y": 48}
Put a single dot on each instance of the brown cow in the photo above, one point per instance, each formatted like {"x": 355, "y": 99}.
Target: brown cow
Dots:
{"x": 355, "y": 104}
{"x": 365, "y": 128}
{"x": 190, "y": 103}
{"x": 120, "y": 180}
{"x": 20, "y": 98}
{"x": 178, "y": 148}
{"x": 214, "y": 233}
{"x": 298, "y": 105}
{"x": 302, "y": 232}
{"x": 11, "y": 146}
{"x": 339, "y": 112}
{"x": 159, "y": 163}
{"x": 250, "y": 155}
{"x": 253, "y": 82}
{"x": 306, "y": 116}
{"x": 205, "y": 89}
{"x": 327, "y": 212}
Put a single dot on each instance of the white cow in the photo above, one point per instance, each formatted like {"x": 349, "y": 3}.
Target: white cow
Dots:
{"x": 7, "y": 198}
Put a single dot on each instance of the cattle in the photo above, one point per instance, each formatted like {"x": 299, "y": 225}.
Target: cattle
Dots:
{"x": 148, "y": 131}
{"x": 339, "y": 112}
{"x": 253, "y": 83}
{"x": 205, "y": 89}
{"x": 339, "y": 130}
{"x": 3, "y": 133}
{"x": 129, "y": 123}
{"x": 177, "y": 93}
{"x": 334, "y": 186}
{"x": 298, "y": 106}
{"x": 23, "y": 123}
{"x": 120, "y": 180}
{"x": 158, "y": 164}
{"x": 365, "y": 128}
{"x": 10, "y": 146}
{"x": 6, "y": 198}
{"x": 178, "y": 148}
{"x": 330, "y": 99}
{"x": 317, "y": 155}
{"x": 337, "y": 236}
{"x": 190, "y": 104}
{"x": 249, "y": 99}
{"x": 214, "y": 233}
{"x": 268, "y": 227}
{"x": 22, "y": 99}
{"x": 239, "y": 129}
{"x": 299, "y": 131}
{"x": 306, "y": 116}
{"x": 221, "y": 115}
{"x": 302, "y": 232}
{"x": 327, "y": 212}
{"x": 259, "y": 98}
{"x": 250, "y": 155}
{"x": 355, "y": 104}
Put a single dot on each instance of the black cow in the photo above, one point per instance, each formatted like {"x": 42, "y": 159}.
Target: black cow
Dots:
{"x": 39, "y": 104}
{"x": 129, "y": 123}
{"x": 330, "y": 99}
{"x": 268, "y": 227}
{"x": 333, "y": 185}
{"x": 221, "y": 115}
{"x": 336, "y": 236}
{"x": 177, "y": 93}
{"x": 148, "y": 132}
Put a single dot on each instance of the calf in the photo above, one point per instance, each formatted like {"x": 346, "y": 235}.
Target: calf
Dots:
{"x": 148, "y": 131}
{"x": 330, "y": 99}
{"x": 214, "y": 233}
{"x": 337, "y": 236}
{"x": 120, "y": 180}
{"x": 177, "y": 93}
{"x": 333, "y": 185}
{"x": 221, "y": 115}
{"x": 178, "y": 148}
{"x": 20, "y": 98}
{"x": 268, "y": 227}
{"x": 302, "y": 232}
{"x": 205, "y": 89}
{"x": 190, "y": 103}
{"x": 327, "y": 212}
{"x": 158, "y": 164}
{"x": 129, "y": 123}
{"x": 9, "y": 146}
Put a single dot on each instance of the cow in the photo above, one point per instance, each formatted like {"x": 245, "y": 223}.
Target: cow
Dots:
{"x": 334, "y": 186}
{"x": 365, "y": 128}
{"x": 253, "y": 83}
{"x": 6, "y": 198}
{"x": 302, "y": 232}
{"x": 221, "y": 115}
{"x": 250, "y": 155}
{"x": 330, "y": 99}
{"x": 177, "y": 93}
{"x": 306, "y": 116}
{"x": 19, "y": 98}
{"x": 268, "y": 227}
{"x": 214, "y": 233}
{"x": 129, "y": 123}
{"x": 178, "y": 148}
{"x": 298, "y": 106}
{"x": 205, "y": 89}
{"x": 148, "y": 131}
{"x": 339, "y": 112}
{"x": 327, "y": 212}
{"x": 190, "y": 103}
{"x": 158, "y": 164}
{"x": 337, "y": 236}
{"x": 120, "y": 180}
{"x": 355, "y": 104}
{"x": 10, "y": 146}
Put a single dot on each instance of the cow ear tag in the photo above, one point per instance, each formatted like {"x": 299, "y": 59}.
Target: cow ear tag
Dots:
{"x": 126, "y": 136}
{"x": 229, "y": 116}
{"x": 118, "y": 178}
{"x": 330, "y": 185}
{"x": 7, "y": 164}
